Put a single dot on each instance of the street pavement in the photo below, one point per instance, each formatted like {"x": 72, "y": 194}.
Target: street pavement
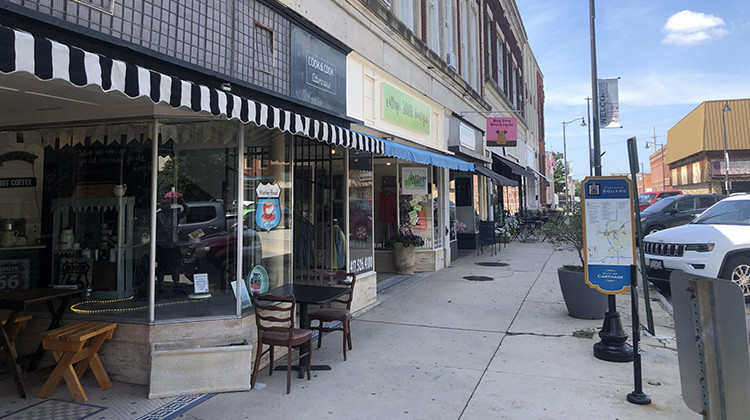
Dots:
{"x": 437, "y": 346}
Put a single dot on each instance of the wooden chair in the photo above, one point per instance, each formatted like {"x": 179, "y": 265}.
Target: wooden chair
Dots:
{"x": 76, "y": 344}
{"x": 18, "y": 324}
{"x": 274, "y": 317}
{"x": 341, "y": 314}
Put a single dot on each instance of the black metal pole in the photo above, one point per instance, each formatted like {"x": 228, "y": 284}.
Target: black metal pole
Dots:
{"x": 612, "y": 346}
{"x": 637, "y": 396}
{"x": 633, "y": 156}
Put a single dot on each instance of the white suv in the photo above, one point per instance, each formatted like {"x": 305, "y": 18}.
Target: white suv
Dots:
{"x": 715, "y": 244}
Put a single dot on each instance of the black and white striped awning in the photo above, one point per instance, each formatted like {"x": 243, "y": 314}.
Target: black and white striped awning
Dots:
{"x": 46, "y": 59}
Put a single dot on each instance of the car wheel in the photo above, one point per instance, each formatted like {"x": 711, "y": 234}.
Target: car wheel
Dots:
{"x": 654, "y": 229}
{"x": 360, "y": 232}
{"x": 738, "y": 271}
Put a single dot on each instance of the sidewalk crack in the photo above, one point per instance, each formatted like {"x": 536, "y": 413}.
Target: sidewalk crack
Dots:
{"x": 535, "y": 334}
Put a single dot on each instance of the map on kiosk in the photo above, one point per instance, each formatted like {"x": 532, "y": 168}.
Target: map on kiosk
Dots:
{"x": 608, "y": 233}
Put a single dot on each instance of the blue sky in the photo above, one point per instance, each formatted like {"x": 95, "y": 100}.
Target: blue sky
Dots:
{"x": 670, "y": 56}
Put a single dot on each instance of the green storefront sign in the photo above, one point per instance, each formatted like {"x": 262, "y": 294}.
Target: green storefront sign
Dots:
{"x": 405, "y": 110}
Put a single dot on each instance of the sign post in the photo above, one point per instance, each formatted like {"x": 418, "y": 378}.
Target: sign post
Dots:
{"x": 608, "y": 233}
{"x": 609, "y": 250}
{"x": 610, "y": 264}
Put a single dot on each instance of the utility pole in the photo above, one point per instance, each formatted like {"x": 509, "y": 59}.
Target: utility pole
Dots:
{"x": 588, "y": 121}
{"x": 661, "y": 154}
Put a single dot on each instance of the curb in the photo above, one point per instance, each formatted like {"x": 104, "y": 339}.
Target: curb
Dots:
{"x": 665, "y": 302}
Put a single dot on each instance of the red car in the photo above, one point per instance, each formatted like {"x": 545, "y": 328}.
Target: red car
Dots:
{"x": 649, "y": 198}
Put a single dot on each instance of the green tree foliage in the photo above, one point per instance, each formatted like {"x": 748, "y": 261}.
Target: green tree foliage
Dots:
{"x": 559, "y": 173}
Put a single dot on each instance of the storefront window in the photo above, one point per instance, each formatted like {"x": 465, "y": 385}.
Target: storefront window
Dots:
{"x": 415, "y": 202}
{"x": 386, "y": 215}
{"x": 76, "y": 206}
{"x": 360, "y": 212}
{"x": 436, "y": 207}
{"x": 452, "y": 208}
{"x": 196, "y": 245}
{"x": 267, "y": 210}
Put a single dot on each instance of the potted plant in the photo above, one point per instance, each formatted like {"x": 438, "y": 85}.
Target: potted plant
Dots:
{"x": 565, "y": 229}
{"x": 404, "y": 245}
{"x": 506, "y": 230}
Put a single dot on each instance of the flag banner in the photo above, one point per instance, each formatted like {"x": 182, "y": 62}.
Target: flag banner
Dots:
{"x": 609, "y": 103}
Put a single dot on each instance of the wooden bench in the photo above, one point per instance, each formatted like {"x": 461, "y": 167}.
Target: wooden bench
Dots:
{"x": 76, "y": 344}
{"x": 12, "y": 330}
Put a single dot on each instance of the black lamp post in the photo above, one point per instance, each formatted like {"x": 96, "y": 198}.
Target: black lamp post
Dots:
{"x": 565, "y": 155}
{"x": 613, "y": 346}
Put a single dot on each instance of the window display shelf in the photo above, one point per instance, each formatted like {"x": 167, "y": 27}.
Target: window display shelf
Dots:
{"x": 103, "y": 230}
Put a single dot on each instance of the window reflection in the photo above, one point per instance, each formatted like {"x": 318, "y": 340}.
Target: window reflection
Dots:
{"x": 196, "y": 238}
{"x": 360, "y": 212}
{"x": 266, "y": 209}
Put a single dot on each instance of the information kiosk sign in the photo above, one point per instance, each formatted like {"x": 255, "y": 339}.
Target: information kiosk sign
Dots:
{"x": 608, "y": 225}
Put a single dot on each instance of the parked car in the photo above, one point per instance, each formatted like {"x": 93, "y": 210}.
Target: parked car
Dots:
{"x": 216, "y": 253}
{"x": 649, "y": 198}
{"x": 676, "y": 210}
{"x": 202, "y": 218}
{"x": 715, "y": 244}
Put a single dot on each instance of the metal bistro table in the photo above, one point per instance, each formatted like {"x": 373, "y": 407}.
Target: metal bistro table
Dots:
{"x": 18, "y": 301}
{"x": 305, "y": 294}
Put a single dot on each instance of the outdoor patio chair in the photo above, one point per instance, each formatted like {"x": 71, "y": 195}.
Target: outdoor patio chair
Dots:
{"x": 274, "y": 317}
{"x": 337, "y": 317}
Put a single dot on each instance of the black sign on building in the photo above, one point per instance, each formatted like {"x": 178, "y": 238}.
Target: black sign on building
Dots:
{"x": 318, "y": 72}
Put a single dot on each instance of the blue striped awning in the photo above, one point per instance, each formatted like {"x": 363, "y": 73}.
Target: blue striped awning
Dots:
{"x": 413, "y": 154}
{"x": 47, "y": 59}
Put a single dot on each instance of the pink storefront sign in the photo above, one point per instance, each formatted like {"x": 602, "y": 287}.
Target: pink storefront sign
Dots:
{"x": 501, "y": 132}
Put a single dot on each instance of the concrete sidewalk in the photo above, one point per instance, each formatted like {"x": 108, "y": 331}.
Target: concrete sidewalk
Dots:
{"x": 440, "y": 346}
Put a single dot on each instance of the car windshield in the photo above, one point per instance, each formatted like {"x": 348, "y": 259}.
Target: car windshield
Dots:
{"x": 734, "y": 212}
{"x": 645, "y": 198}
{"x": 662, "y": 204}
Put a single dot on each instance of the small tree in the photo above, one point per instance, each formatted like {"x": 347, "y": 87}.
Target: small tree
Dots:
{"x": 559, "y": 173}
{"x": 566, "y": 229}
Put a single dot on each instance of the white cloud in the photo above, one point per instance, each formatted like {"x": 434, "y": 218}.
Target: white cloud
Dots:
{"x": 665, "y": 88}
{"x": 690, "y": 28}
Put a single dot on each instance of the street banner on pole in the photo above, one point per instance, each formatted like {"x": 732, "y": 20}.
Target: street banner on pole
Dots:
{"x": 502, "y": 132}
{"x": 609, "y": 103}
{"x": 609, "y": 243}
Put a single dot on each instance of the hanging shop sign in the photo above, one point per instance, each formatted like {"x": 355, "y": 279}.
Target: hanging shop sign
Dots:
{"x": 502, "y": 132}
{"x": 405, "y": 110}
{"x": 17, "y": 182}
{"x": 413, "y": 180}
{"x": 267, "y": 211}
{"x": 609, "y": 243}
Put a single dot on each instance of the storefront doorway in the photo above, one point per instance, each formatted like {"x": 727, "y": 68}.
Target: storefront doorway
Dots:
{"x": 319, "y": 210}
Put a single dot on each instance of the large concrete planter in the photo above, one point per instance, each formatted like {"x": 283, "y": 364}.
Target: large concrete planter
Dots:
{"x": 404, "y": 258}
{"x": 582, "y": 301}
{"x": 186, "y": 371}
